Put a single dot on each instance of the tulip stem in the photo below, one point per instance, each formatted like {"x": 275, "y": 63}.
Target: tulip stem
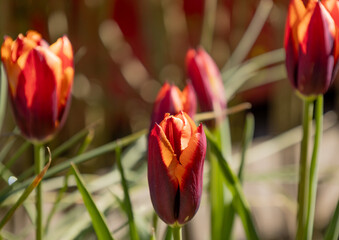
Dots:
{"x": 39, "y": 155}
{"x": 176, "y": 233}
{"x": 303, "y": 166}
{"x": 313, "y": 177}
{"x": 208, "y": 24}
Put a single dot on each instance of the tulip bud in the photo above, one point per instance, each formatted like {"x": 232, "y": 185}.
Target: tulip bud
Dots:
{"x": 206, "y": 80}
{"x": 171, "y": 100}
{"x": 311, "y": 45}
{"x": 40, "y": 79}
{"x": 176, "y": 154}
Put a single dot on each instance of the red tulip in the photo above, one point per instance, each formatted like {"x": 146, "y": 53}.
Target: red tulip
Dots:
{"x": 171, "y": 100}
{"x": 206, "y": 80}
{"x": 40, "y": 80}
{"x": 311, "y": 45}
{"x": 176, "y": 154}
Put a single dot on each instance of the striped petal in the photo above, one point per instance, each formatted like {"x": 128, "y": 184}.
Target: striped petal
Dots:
{"x": 163, "y": 184}
{"x": 189, "y": 175}
{"x": 35, "y": 101}
{"x": 316, "y": 38}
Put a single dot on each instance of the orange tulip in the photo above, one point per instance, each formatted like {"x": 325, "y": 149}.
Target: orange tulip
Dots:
{"x": 171, "y": 100}
{"x": 176, "y": 154}
{"x": 311, "y": 45}
{"x": 40, "y": 79}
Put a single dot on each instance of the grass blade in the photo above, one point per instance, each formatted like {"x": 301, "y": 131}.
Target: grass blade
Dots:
{"x": 98, "y": 219}
{"x": 87, "y": 141}
{"x": 6, "y": 149}
{"x": 332, "y": 232}
{"x": 247, "y": 139}
{"x": 127, "y": 201}
{"x": 17, "y": 154}
{"x": 109, "y": 147}
{"x": 3, "y": 96}
{"x": 233, "y": 184}
{"x": 26, "y": 193}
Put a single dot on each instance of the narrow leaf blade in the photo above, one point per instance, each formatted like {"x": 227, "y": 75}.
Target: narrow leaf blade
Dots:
{"x": 233, "y": 183}
{"x": 3, "y": 95}
{"x": 332, "y": 232}
{"x": 98, "y": 219}
{"x": 26, "y": 193}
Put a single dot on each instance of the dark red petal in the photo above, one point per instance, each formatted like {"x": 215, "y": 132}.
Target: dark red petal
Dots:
{"x": 190, "y": 100}
{"x": 167, "y": 101}
{"x": 291, "y": 62}
{"x": 296, "y": 11}
{"x": 198, "y": 75}
{"x": 214, "y": 80}
{"x": 315, "y": 53}
{"x": 190, "y": 175}
{"x": 163, "y": 185}
{"x": 35, "y": 104}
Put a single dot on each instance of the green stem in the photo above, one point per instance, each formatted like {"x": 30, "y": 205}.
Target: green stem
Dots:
{"x": 217, "y": 194}
{"x": 39, "y": 154}
{"x": 240, "y": 204}
{"x": 208, "y": 24}
{"x": 176, "y": 233}
{"x": 247, "y": 140}
{"x": 303, "y": 166}
{"x": 313, "y": 177}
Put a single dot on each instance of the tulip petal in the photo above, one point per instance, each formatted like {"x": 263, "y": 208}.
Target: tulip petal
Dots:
{"x": 172, "y": 127}
{"x": 189, "y": 175}
{"x": 169, "y": 100}
{"x": 316, "y": 34}
{"x": 63, "y": 49}
{"x": 296, "y": 10}
{"x": 64, "y": 94}
{"x": 197, "y": 73}
{"x": 12, "y": 69}
{"x": 35, "y": 101}
{"x": 333, "y": 8}
{"x": 214, "y": 77}
{"x": 22, "y": 45}
{"x": 189, "y": 100}
{"x": 163, "y": 184}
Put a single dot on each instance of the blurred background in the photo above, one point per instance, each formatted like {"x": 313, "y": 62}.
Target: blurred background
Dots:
{"x": 126, "y": 49}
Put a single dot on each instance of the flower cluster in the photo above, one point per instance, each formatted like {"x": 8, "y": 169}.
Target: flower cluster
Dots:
{"x": 176, "y": 147}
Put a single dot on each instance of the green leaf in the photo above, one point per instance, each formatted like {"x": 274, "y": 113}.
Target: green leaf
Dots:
{"x": 239, "y": 202}
{"x": 87, "y": 141}
{"x": 18, "y": 153}
{"x": 247, "y": 139}
{"x": 332, "y": 232}
{"x": 109, "y": 147}
{"x": 3, "y": 95}
{"x": 26, "y": 193}
{"x": 98, "y": 220}
{"x": 127, "y": 201}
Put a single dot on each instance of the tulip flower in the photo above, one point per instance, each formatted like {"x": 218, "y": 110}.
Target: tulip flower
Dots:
{"x": 176, "y": 154}
{"x": 206, "y": 80}
{"x": 311, "y": 45}
{"x": 171, "y": 100}
{"x": 40, "y": 80}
